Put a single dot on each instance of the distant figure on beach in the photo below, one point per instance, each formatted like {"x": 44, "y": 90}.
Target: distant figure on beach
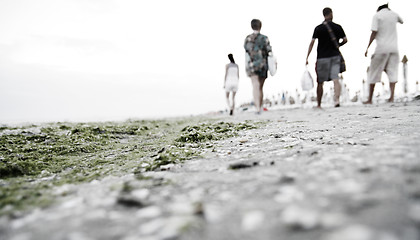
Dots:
{"x": 386, "y": 56}
{"x": 328, "y": 55}
{"x": 283, "y": 99}
{"x": 231, "y": 82}
{"x": 257, "y": 49}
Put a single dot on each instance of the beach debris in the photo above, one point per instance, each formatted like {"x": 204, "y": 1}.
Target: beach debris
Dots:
{"x": 365, "y": 169}
{"x": 211, "y": 131}
{"x": 314, "y": 153}
{"x": 167, "y": 167}
{"x": 239, "y": 165}
{"x": 277, "y": 135}
{"x": 288, "y": 178}
{"x": 242, "y": 164}
{"x": 199, "y": 209}
{"x": 128, "y": 200}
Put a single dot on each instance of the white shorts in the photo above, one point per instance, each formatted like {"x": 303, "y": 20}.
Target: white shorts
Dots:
{"x": 383, "y": 62}
{"x": 231, "y": 84}
{"x": 231, "y": 87}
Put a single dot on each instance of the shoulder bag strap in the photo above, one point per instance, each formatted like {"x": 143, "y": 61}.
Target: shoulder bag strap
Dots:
{"x": 332, "y": 36}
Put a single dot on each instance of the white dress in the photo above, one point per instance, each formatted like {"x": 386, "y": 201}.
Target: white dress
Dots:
{"x": 232, "y": 80}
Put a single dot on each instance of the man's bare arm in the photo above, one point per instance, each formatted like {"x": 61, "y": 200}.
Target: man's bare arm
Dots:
{"x": 311, "y": 45}
{"x": 372, "y": 37}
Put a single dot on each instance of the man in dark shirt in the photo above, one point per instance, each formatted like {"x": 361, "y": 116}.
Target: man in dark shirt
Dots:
{"x": 328, "y": 55}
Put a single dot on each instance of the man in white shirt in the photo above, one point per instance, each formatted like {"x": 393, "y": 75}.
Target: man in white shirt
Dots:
{"x": 386, "y": 57}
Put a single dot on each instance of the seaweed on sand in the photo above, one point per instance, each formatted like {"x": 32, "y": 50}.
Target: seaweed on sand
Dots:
{"x": 34, "y": 159}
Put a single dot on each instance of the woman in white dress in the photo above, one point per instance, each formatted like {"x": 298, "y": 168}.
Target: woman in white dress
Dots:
{"x": 231, "y": 82}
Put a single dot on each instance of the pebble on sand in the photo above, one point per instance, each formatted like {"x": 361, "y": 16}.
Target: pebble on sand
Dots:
{"x": 240, "y": 165}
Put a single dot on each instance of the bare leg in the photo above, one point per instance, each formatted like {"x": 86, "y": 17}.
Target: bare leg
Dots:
{"x": 233, "y": 100}
{"x": 227, "y": 99}
{"x": 256, "y": 92}
{"x": 319, "y": 93}
{"x": 392, "y": 89}
{"x": 337, "y": 92}
{"x": 371, "y": 90}
{"x": 262, "y": 81}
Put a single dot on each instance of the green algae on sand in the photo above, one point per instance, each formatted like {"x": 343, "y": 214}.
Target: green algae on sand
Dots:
{"x": 36, "y": 158}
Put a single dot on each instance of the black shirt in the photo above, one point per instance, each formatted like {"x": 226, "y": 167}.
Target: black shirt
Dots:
{"x": 326, "y": 47}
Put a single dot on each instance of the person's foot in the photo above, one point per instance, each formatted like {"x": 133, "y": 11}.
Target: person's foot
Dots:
{"x": 391, "y": 100}
{"x": 318, "y": 108}
{"x": 231, "y": 112}
{"x": 337, "y": 105}
{"x": 367, "y": 102}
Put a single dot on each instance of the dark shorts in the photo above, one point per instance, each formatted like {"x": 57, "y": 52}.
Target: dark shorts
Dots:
{"x": 327, "y": 69}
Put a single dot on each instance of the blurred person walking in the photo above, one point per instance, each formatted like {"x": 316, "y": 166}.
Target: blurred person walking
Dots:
{"x": 257, "y": 49}
{"x": 386, "y": 55}
{"x": 231, "y": 82}
{"x": 328, "y": 55}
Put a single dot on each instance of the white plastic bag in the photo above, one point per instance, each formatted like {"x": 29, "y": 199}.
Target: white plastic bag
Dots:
{"x": 307, "y": 81}
{"x": 272, "y": 64}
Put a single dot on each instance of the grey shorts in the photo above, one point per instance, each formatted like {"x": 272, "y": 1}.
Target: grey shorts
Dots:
{"x": 327, "y": 69}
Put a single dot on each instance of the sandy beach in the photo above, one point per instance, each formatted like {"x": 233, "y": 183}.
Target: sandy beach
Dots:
{"x": 348, "y": 173}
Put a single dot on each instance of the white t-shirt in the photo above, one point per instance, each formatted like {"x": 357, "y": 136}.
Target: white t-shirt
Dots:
{"x": 385, "y": 24}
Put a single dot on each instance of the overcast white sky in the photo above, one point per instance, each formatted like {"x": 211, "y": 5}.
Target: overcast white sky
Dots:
{"x": 115, "y": 59}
